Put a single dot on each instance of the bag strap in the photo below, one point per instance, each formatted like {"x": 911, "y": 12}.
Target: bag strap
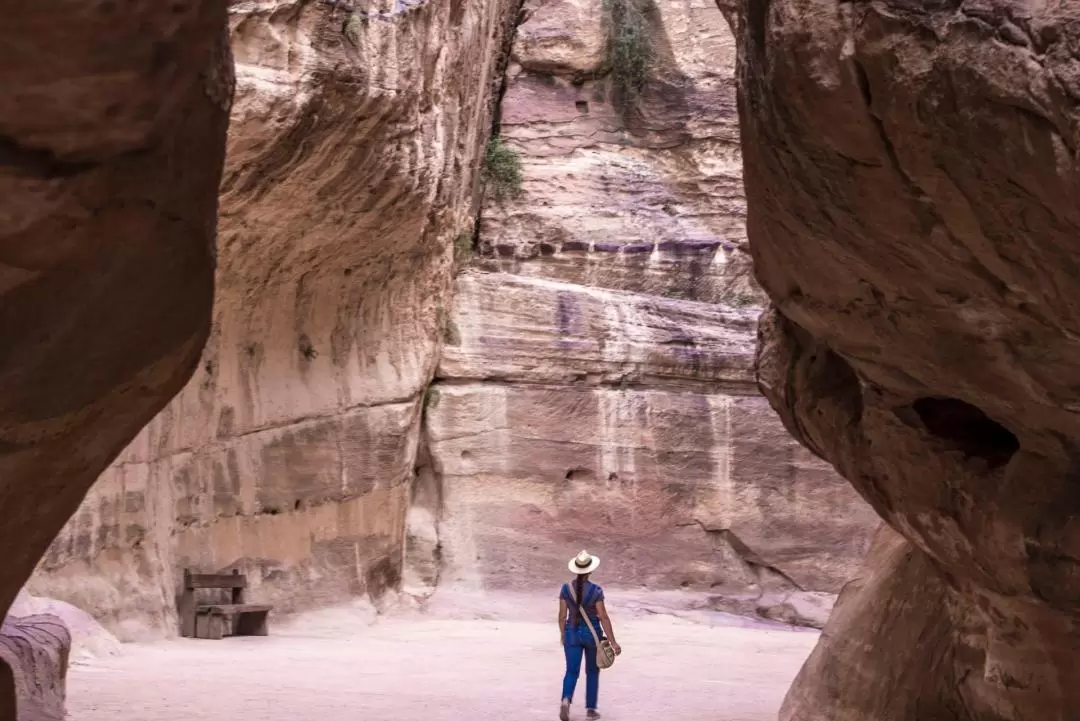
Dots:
{"x": 584, "y": 616}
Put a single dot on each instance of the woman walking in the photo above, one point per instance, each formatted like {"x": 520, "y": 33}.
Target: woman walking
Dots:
{"x": 576, "y": 637}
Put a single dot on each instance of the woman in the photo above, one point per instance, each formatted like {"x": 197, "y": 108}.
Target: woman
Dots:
{"x": 575, "y": 636}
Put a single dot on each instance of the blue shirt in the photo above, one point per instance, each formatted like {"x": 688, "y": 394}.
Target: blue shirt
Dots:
{"x": 593, "y": 595}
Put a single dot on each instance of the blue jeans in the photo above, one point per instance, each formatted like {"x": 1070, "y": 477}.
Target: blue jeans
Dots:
{"x": 577, "y": 642}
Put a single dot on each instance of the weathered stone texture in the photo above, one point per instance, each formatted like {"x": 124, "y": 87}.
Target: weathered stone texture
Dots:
{"x": 36, "y": 649}
{"x": 112, "y": 134}
{"x": 647, "y": 198}
{"x": 576, "y": 416}
{"x": 597, "y": 389}
{"x": 351, "y": 164}
{"x": 912, "y": 181}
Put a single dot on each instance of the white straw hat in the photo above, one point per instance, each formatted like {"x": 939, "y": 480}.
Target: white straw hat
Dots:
{"x": 584, "y": 562}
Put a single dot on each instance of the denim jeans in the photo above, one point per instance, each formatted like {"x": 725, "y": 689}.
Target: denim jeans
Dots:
{"x": 576, "y": 643}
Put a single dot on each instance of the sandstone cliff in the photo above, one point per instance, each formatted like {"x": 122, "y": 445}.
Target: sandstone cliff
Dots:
{"x": 351, "y": 157}
{"x": 596, "y": 383}
{"x": 593, "y": 373}
{"x": 912, "y": 180}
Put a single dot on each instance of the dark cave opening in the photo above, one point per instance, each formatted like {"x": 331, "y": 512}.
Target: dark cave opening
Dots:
{"x": 968, "y": 428}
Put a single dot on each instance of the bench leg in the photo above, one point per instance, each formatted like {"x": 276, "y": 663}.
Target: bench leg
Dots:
{"x": 253, "y": 624}
{"x": 187, "y": 614}
{"x": 211, "y": 626}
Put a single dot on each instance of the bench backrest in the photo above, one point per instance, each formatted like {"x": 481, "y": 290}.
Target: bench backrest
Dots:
{"x": 233, "y": 580}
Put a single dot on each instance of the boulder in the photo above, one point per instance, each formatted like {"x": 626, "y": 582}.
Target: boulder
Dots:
{"x": 35, "y": 649}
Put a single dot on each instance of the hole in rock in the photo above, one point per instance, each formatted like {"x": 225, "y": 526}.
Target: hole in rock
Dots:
{"x": 968, "y": 428}
{"x": 582, "y": 107}
{"x": 579, "y": 474}
{"x": 466, "y": 455}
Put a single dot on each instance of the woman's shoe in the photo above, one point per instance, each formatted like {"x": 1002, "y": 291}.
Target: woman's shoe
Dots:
{"x": 564, "y": 710}
{"x": 592, "y": 713}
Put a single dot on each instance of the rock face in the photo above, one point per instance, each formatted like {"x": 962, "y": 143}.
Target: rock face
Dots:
{"x": 112, "y": 129}
{"x": 595, "y": 388}
{"x": 89, "y": 640}
{"x": 643, "y": 196}
{"x": 36, "y": 650}
{"x": 575, "y": 416}
{"x": 912, "y": 181}
{"x": 594, "y": 381}
{"x": 351, "y": 160}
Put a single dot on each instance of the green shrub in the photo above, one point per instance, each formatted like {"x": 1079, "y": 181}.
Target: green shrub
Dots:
{"x": 463, "y": 247}
{"x": 743, "y": 300}
{"x": 630, "y": 51}
{"x": 431, "y": 397}
{"x": 502, "y": 169}
{"x": 352, "y": 28}
{"x": 451, "y": 334}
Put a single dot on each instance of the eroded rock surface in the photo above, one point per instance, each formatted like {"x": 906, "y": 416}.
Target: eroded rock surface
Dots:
{"x": 595, "y": 387}
{"x": 351, "y": 161}
{"x": 36, "y": 649}
{"x": 643, "y": 196}
{"x": 912, "y": 181}
{"x": 112, "y": 133}
{"x": 572, "y": 415}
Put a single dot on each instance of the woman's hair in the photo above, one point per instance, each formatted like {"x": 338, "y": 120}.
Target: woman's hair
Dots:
{"x": 579, "y": 589}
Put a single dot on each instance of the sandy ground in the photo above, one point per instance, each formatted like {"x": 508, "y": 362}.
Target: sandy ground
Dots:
{"x": 453, "y": 662}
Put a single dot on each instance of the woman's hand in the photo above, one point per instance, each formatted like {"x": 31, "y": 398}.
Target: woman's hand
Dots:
{"x": 616, "y": 648}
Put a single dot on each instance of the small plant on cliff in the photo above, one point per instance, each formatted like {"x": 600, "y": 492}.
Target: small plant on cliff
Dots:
{"x": 502, "y": 169}
{"x": 352, "y": 28}
{"x": 743, "y": 300}
{"x": 431, "y": 398}
{"x": 463, "y": 248}
{"x": 630, "y": 51}
{"x": 450, "y": 333}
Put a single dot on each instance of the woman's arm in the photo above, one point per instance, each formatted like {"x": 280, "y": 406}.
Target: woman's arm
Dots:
{"x": 605, "y": 621}
{"x": 562, "y": 619}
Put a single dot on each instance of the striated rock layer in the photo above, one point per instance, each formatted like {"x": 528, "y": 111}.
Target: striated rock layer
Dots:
{"x": 570, "y": 416}
{"x": 643, "y": 196}
{"x": 350, "y": 168}
{"x": 112, "y": 130}
{"x": 912, "y": 177}
{"x": 597, "y": 389}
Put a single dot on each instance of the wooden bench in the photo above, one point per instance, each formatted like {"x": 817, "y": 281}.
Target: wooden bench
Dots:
{"x": 217, "y": 620}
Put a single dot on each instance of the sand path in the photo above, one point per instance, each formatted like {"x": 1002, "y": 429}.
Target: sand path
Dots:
{"x": 331, "y": 667}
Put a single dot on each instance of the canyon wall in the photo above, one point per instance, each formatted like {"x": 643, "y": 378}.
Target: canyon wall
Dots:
{"x": 596, "y": 386}
{"x": 593, "y": 369}
{"x": 112, "y": 135}
{"x": 351, "y": 163}
{"x": 912, "y": 177}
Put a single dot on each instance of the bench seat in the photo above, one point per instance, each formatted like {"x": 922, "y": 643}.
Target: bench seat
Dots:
{"x": 229, "y": 609}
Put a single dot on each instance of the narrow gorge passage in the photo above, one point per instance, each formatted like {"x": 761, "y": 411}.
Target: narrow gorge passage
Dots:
{"x": 483, "y": 296}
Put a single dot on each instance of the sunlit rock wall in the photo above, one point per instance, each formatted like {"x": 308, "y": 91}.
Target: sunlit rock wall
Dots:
{"x": 350, "y": 168}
